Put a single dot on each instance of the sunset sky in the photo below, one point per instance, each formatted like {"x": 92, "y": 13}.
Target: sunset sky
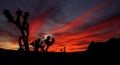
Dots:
{"x": 73, "y": 23}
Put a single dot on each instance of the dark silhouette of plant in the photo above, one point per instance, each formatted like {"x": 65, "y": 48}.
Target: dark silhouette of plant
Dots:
{"x": 23, "y": 26}
{"x": 37, "y": 44}
{"x": 41, "y": 46}
{"x": 20, "y": 44}
{"x": 64, "y": 49}
{"x": 49, "y": 43}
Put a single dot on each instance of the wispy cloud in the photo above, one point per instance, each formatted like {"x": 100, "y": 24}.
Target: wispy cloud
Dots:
{"x": 74, "y": 28}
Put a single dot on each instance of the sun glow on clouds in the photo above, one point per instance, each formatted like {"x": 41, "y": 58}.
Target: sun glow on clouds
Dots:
{"x": 73, "y": 35}
{"x": 78, "y": 41}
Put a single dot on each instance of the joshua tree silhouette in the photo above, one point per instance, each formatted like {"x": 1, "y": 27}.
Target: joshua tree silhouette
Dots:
{"x": 41, "y": 46}
{"x": 49, "y": 43}
{"x": 23, "y": 26}
{"x": 37, "y": 44}
{"x": 20, "y": 44}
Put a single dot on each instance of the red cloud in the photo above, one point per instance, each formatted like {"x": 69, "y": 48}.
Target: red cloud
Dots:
{"x": 100, "y": 32}
{"x": 78, "y": 41}
{"x": 39, "y": 22}
{"x": 77, "y": 21}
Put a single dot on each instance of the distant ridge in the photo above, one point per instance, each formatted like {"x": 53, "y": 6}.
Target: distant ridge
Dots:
{"x": 111, "y": 45}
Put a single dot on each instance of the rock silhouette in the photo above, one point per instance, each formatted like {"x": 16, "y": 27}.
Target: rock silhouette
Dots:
{"x": 105, "y": 52}
{"x": 23, "y": 26}
{"x": 111, "y": 44}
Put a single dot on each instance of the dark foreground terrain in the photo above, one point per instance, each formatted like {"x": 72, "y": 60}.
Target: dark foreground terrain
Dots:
{"x": 97, "y": 53}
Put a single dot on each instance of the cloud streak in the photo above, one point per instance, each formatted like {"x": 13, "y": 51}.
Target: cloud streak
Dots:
{"x": 79, "y": 21}
{"x": 74, "y": 33}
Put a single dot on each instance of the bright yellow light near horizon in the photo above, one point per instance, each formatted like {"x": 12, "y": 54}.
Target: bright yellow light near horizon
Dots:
{"x": 8, "y": 45}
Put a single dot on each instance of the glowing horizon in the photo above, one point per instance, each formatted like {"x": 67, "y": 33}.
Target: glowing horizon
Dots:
{"x": 73, "y": 26}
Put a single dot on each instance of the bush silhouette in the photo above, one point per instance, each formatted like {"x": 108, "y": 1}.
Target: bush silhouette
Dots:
{"x": 107, "y": 46}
